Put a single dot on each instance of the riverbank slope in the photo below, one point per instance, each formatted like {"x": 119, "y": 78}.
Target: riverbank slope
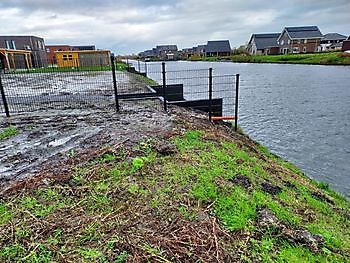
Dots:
{"x": 327, "y": 58}
{"x": 190, "y": 191}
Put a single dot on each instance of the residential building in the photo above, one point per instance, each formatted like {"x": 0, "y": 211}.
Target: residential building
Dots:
{"x": 218, "y": 48}
{"x": 263, "y": 44}
{"x": 167, "y": 52}
{"x": 305, "y": 39}
{"x": 28, "y": 43}
{"x": 51, "y": 49}
{"x": 346, "y": 44}
{"x": 83, "y": 58}
{"x": 332, "y": 41}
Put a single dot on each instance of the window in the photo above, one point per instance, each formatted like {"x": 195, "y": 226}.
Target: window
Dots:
{"x": 13, "y": 44}
{"x": 305, "y": 41}
{"x": 282, "y": 42}
{"x": 65, "y": 57}
{"x": 304, "y": 49}
{"x": 7, "y": 44}
{"x": 288, "y": 41}
{"x": 70, "y": 57}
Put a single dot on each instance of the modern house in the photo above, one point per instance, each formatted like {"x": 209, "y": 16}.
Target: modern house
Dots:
{"x": 83, "y": 58}
{"x": 218, "y": 48}
{"x": 263, "y": 44}
{"x": 51, "y": 49}
{"x": 305, "y": 39}
{"x": 332, "y": 41}
{"x": 346, "y": 44}
{"x": 35, "y": 45}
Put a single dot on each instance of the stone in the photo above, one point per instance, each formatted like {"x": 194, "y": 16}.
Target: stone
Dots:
{"x": 166, "y": 148}
{"x": 267, "y": 218}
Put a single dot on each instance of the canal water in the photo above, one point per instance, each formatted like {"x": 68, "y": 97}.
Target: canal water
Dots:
{"x": 300, "y": 112}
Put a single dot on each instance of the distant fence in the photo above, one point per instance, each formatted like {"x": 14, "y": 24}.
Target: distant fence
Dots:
{"x": 122, "y": 88}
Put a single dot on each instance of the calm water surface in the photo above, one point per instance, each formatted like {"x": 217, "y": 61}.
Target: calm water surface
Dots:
{"x": 300, "y": 112}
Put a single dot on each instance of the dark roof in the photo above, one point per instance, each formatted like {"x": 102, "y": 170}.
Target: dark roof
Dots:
{"x": 166, "y": 47}
{"x": 218, "y": 46}
{"x": 333, "y": 36}
{"x": 263, "y": 41}
{"x": 304, "y": 32}
{"x": 348, "y": 38}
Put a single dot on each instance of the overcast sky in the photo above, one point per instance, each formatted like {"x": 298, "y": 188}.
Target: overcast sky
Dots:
{"x": 131, "y": 26}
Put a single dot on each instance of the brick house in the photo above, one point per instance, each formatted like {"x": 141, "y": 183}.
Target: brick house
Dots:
{"x": 28, "y": 43}
{"x": 304, "y": 39}
{"x": 263, "y": 44}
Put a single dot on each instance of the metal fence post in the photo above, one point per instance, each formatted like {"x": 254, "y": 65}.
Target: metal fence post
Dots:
{"x": 139, "y": 66}
{"x": 4, "y": 100}
{"x": 164, "y": 85}
{"x": 115, "y": 84}
{"x": 210, "y": 92}
{"x": 236, "y": 103}
{"x": 146, "y": 68}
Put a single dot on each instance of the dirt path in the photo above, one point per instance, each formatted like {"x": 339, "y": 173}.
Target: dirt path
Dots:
{"x": 46, "y": 139}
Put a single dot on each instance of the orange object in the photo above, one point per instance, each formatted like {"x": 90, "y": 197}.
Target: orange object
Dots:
{"x": 223, "y": 118}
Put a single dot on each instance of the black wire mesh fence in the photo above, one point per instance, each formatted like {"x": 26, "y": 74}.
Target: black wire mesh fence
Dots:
{"x": 103, "y": 85}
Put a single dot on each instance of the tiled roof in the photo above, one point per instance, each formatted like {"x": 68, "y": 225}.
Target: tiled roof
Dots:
{"x": 218, "y": 46}
{"x": 263, "y": 41}
{"x": 304, "y": 32}
{"x": 333, "y": 36}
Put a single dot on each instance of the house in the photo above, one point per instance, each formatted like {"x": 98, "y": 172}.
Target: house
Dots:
{"x": 167, "y": 52}
{"x": 218, "y": 48}
{"x": 332, "y": 41}
{"x": 305, "y": 39}
{"x": 27, "y": 43}
{"x": 346, "y": 44}
{"x": 12, "y": 59}
{"x": 51, "y": 49}
{"x": 83, "y": 58}
{"x": 263, "y": 44}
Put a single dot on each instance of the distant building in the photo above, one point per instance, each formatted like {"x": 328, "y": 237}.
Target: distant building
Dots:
{"x": 304, "y": 39}
{"x": 167, "y": 52}
{"x": 346, "y": 44}
{"x": 35, "y": 45}
{"x": 51, "y": 49}
{"x": 83, "y": 58}
{"x": 86, "y": 47}
{"x": 218, "y": 48}
{"x": 263, "y": 44}
{"x": 332, "y": 41}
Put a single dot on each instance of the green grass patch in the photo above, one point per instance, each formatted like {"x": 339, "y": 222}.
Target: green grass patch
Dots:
{"x": 8, "y": 132}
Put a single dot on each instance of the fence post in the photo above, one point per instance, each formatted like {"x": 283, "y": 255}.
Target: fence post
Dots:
{"x": 2, "y": 91}
{"x": 139, "y": 66}
{"x": 236, "y": 103}
{"x": 115, "y": 84}
{"x": 164, "y": 85}
{"x": 146, "y": 68}
{"x": 210, "y": 92}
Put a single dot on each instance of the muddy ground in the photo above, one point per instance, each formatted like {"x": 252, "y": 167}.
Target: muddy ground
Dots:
{"x": 46, "y": 139}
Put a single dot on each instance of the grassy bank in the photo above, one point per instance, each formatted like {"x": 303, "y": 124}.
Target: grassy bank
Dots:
{"x": 328, "y": 58}
{"x": 120, "y": 66}
{"x": 200, "y": 194}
